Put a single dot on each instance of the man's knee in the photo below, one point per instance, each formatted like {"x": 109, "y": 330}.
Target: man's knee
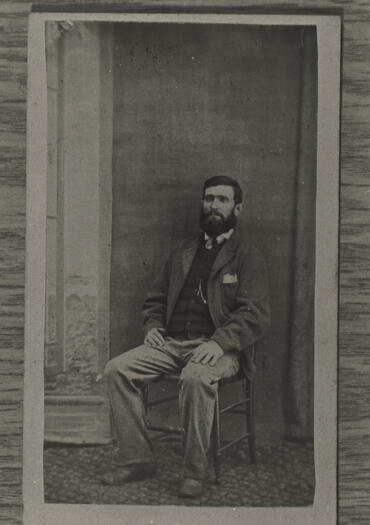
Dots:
{"x": 121, "y": 366}
{"x": 114, "y": 367}
{"x": 196, "y": 376}
{"x": 110, "y": 369}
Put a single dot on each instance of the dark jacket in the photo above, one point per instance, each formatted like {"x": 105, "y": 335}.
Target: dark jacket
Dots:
{"x": 238, "y": 294}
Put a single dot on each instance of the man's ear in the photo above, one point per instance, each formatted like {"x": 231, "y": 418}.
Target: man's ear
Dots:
{"x": 238, "y": 209}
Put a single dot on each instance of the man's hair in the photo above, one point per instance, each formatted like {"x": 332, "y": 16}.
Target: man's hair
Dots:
{"x": 225, "y": 181}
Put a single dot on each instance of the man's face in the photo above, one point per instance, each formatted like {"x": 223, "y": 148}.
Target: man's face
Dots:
{"x": 219, "y": 210}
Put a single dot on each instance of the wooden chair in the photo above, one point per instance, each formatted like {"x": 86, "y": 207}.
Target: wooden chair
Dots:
{"x": 218, "y": 446}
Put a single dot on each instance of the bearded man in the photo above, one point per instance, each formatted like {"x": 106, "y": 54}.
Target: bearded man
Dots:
{"x": 209, "y": 304}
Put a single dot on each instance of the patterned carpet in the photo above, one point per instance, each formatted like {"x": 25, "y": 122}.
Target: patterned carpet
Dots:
{"x": 282, "y": 476}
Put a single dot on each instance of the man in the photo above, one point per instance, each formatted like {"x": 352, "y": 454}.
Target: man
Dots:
{"x": 207, "y": 307}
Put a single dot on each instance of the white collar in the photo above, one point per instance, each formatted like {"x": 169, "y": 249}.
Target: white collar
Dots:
{"x": 219, "y": 239}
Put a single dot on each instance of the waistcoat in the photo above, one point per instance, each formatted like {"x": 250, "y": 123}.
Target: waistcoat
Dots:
{"x": 191, "y": 317}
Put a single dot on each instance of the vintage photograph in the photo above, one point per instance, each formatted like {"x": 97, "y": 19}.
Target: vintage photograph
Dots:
{"x": 180, "y": 271}
{"x": 181, "y": 292}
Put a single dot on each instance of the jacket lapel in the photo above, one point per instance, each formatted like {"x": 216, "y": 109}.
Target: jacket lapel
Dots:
{"x": 185, "y": 259}
{"x": 226, "y": 253}
{"x": 188, "y": 255}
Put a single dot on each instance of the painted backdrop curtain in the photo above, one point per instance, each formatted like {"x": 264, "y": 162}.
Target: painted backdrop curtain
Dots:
{"x": 299, "y": 405}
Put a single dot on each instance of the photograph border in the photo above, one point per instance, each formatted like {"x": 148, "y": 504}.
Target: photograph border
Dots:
{"x": 326, "y": 286}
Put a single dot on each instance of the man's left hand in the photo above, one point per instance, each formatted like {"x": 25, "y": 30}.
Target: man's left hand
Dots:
{"x": 207, "y": 353}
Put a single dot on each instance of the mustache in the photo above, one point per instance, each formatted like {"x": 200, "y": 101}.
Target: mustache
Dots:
{"x": 213, "y": 213}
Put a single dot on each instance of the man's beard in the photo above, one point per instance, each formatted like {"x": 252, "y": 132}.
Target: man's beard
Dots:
{"x": 214, "y": 224}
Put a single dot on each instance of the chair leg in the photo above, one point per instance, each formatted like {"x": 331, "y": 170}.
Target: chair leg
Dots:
{"x": 250, "y": 420}
{"x": 217, "y": 439}
{"x": 113, "y": 431}
{"x": 112, "y": 425}
{"x": 145, "y": 394}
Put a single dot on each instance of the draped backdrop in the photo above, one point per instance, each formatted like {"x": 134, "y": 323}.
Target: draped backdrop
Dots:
{"x": 193, "y": 101}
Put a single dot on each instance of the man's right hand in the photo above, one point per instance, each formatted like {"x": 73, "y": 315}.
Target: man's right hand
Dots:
{"x": 154, "y": 337}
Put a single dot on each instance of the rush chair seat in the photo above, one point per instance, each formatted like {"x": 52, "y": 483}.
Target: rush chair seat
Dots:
{"x": 217, "y": 445}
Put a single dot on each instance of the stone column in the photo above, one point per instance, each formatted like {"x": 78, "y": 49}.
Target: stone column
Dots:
{"x": 80, "y": 90}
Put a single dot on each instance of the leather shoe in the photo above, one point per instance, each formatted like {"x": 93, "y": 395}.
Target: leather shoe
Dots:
{"x": 190, "y": 488}
{"x": 130, "y": 473}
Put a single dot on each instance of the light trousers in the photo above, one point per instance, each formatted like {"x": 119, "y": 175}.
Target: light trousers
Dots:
{"x": 125, "y": 376}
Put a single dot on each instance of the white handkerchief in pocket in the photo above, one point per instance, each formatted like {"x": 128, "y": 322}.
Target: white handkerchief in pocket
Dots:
{"x": 229, "y": 278}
